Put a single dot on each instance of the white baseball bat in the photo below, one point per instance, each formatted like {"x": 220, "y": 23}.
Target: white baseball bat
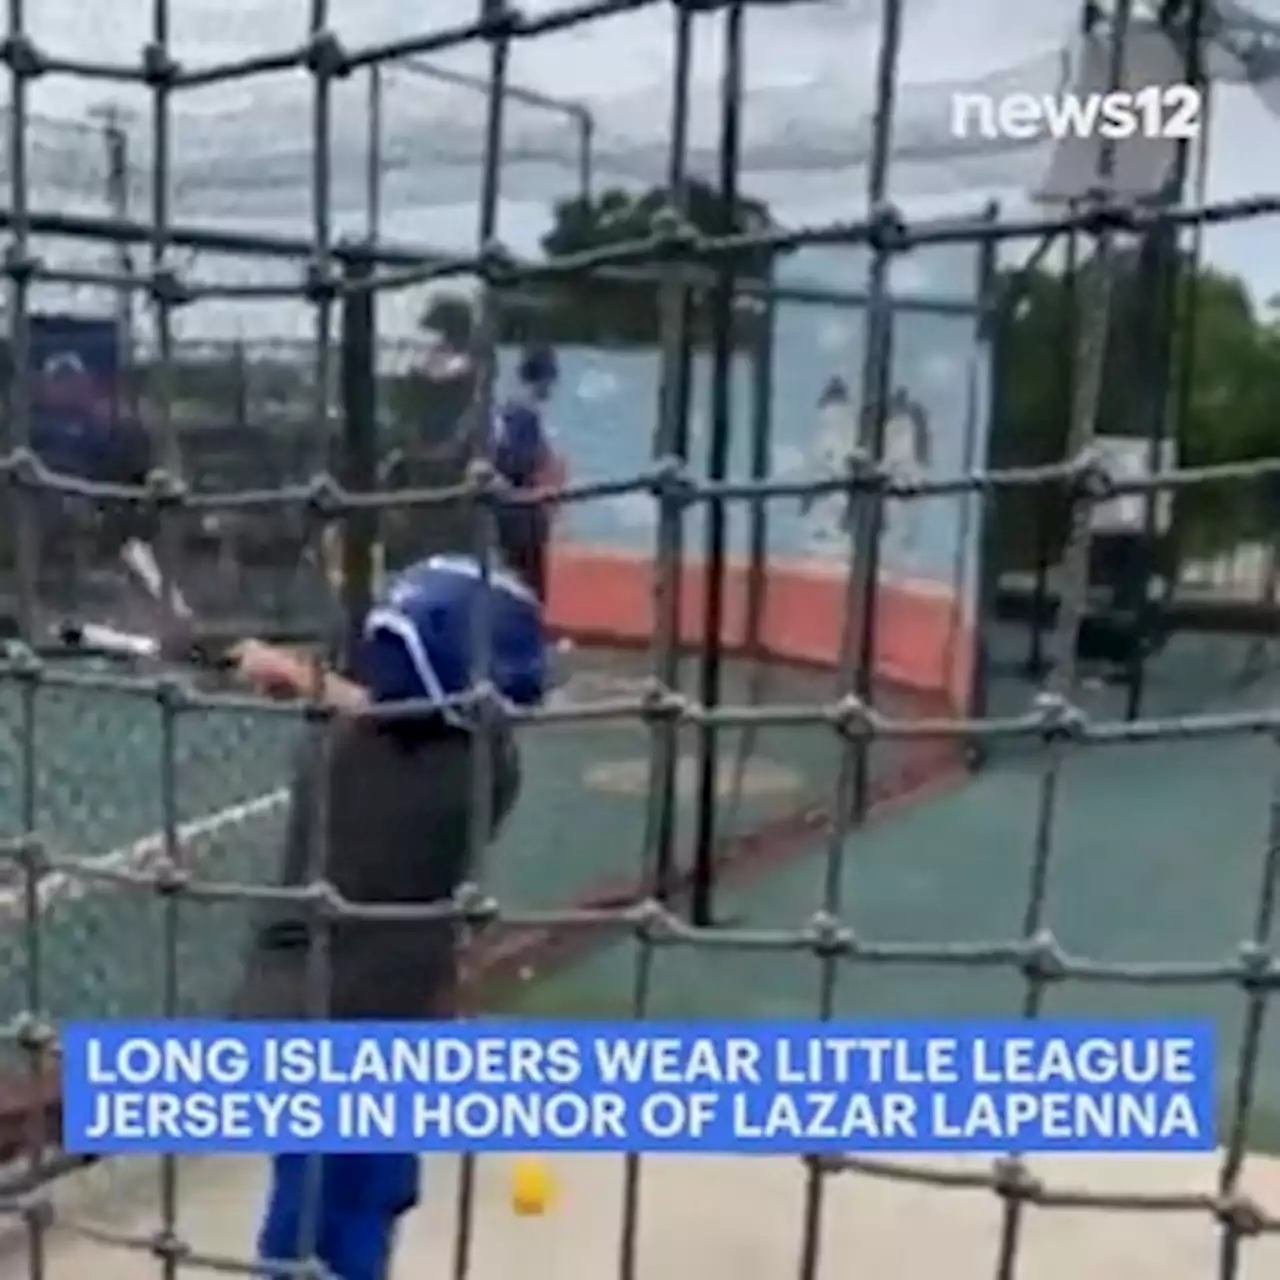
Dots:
{"x": 141, "y": 560}
{"x": 109, "y": 640}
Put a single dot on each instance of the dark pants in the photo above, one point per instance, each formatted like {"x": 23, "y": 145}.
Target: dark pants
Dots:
{"x": 532, "y": 568}
{"x": 524, "y": 534}
{"x": 361, "y": 1200}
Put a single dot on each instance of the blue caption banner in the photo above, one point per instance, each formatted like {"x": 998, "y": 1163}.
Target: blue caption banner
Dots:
{"x": 760, "y": 1087}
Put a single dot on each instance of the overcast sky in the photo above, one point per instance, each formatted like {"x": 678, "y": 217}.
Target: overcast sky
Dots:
{"x": 243, "y": 150}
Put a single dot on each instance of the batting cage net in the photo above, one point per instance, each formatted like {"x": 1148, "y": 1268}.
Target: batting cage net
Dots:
{"x": 832, "y": 476}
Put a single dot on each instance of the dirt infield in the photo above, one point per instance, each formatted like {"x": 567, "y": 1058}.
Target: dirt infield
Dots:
{"x": 714, "y": 1217}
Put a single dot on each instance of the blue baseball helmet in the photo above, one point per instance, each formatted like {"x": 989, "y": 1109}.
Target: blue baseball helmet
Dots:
{"x": 419, "y": 640}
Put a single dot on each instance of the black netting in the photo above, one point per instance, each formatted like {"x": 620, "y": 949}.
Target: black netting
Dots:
{"x": 267, "y": 435}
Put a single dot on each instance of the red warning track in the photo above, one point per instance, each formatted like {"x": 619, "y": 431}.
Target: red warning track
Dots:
{"x": 605, "y": 597}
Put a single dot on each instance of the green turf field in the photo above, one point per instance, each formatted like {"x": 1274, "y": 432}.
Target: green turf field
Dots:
{"x": 578, "y": 827}
{"x": 1159, "y": 856}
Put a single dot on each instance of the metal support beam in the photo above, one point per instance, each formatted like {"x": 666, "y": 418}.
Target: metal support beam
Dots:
{"x": 357, "y": 460}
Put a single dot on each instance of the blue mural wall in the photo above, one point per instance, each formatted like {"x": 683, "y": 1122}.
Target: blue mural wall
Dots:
{"x": 606, "y": 409}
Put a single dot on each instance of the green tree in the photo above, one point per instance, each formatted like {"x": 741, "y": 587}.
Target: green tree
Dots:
{"x": 613, "y": 313}
{"x": 592, "y": 311}
{"x": 1221, "y": 408}
{"x": 616, "y": 216}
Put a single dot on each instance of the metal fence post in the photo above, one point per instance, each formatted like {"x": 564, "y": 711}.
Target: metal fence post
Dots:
{"x": 115, "y": 139}
{"x": 373, "y": 159}
{"x": 586, "y": 151}
{"x": 357, "y": 454}
{"x": 723, "y": 315}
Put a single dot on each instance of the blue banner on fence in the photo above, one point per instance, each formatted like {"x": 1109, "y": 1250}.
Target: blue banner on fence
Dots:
{"x": 752, "y": 1087}
{"x": 75, "y": 388}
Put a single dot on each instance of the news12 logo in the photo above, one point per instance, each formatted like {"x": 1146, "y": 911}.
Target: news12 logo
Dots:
{"x": 1160, "y": 112}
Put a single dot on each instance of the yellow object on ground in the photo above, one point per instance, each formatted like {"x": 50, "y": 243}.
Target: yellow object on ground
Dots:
{"x": 533, "y": 1189}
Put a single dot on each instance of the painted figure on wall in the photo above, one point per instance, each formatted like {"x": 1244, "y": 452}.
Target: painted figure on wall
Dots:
{"x": 907, "y": 455}
{"x": 826, "y": 516}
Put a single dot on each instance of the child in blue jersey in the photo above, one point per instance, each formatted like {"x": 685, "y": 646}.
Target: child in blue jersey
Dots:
{"x": 524, "y": 457}
{"x": 399, "y": 829}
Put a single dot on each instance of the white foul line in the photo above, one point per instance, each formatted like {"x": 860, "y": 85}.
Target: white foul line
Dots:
{"x": 137, "y": 855}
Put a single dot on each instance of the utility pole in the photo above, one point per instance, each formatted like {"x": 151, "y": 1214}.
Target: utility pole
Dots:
{"x": 116, "y": 191}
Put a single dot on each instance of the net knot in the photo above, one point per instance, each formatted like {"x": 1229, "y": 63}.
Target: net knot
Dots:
{"x": 326, "y": 500}
{"x": 887, "y": 229}
{"x": 861, "y": 476}
{"x": 317, "y": 710}
{"x": 853, "y": 719}
{"x": 660, "y": 704}
{"x": 1012, "y": 1180}
{"x": 324, "y": 57}
{"x": 671, "y": 230}
{"x": 484, "y": 482}
{"x": 1102, "y": 215}
{"x": 32, "y": 1033}
{"x": 169, "y": 1247}
{"x": 699, "y": 6}
{"x": 829, "y": 938}
{"x": 1060, "y": 719}
{"x": 472, "y": 906}
{"x": 323, "y": 901}
{"x": 1091, "y": 478}
{"x": 496, "y": 265}
{"x": 36, "y": 1210}
{"x": 1241, "y": 1215}
{"x": 165, "y": 491}
{"x": 20, "y": 265}
{"x": 159, "y": 69}
{"x": 22, "y": 664}
{"x": 23, "y": 57}
{"x": 24, "y": 469}
{"x": 321, "y": 282}
{"x": 485, "y": 707}
{"x": 1259, "y": 974}
{"x": 172, "y": 695}
{"x": 167, "y": 289}
{"x": 168, "y": 879}
{"x": 652, "y": 922}
{"x": 670, "y": 483}
{"x": 27, "y": 851}
{"x": 501, "y": 21}
{"x": 1042, "y": 959}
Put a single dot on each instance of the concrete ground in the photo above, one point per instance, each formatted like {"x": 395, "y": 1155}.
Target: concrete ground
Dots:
{"x": 719, "y": 1218}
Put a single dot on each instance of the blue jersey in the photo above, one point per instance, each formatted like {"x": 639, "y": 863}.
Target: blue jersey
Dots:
{"x": 520, "y": 447}
{"x": 521, "y": 453}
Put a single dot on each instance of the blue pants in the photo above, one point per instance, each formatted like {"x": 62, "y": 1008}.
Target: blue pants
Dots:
{"x": 361, "y": 1199}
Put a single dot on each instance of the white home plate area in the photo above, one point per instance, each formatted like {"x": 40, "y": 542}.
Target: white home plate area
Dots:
{"x": 719, "y": 1218}
{"x": 751, "y": 778}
